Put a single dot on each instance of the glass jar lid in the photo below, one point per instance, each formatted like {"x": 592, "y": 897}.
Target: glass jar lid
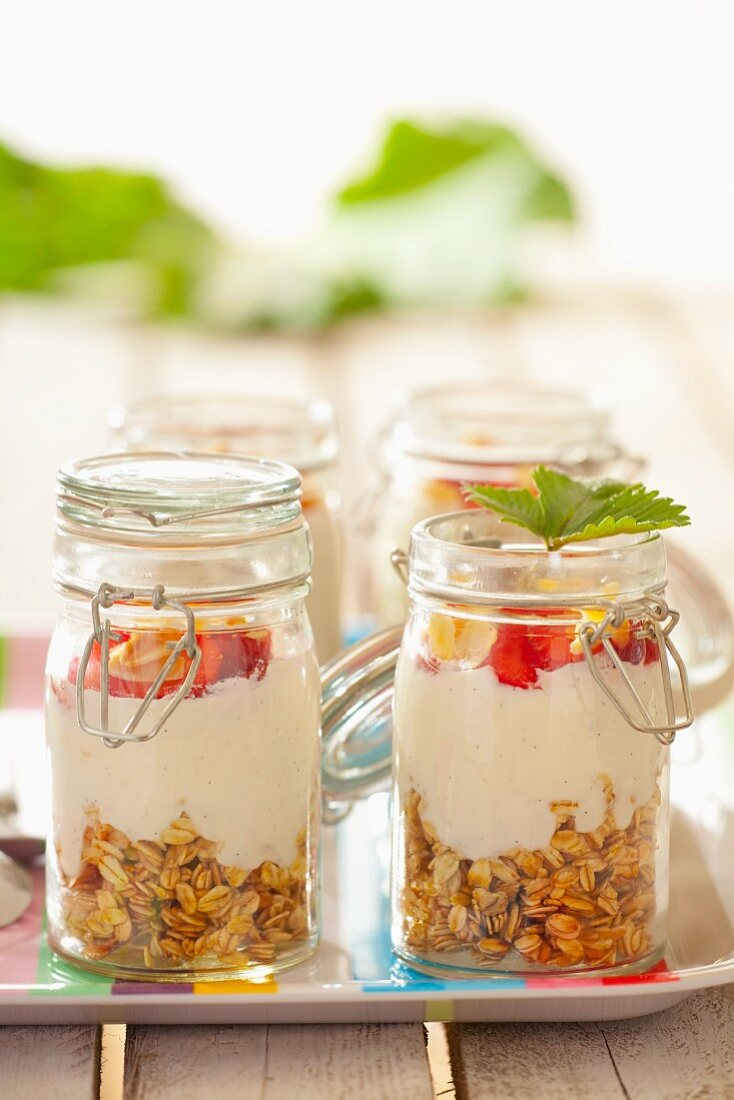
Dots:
{"x": 141, "y": 493}
{"x": 502, "y": 423}
{"x": 195, "y": 523}
{"x": 302, "y": 433}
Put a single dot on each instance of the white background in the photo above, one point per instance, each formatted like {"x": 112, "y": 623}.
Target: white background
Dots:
{"x": 256, "y": 109}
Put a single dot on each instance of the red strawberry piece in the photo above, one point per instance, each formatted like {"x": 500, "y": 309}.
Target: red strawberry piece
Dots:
{"x": 633, "y": 651}
{"x": 552, "y": 647}
{"x": 244, "y": 653}
{"x": 512, "y": 656}
{"x": 208, "y": 672}
{"x": 652, "y": 651}
{"x": 73, "y": 672}
{"x": 235, "y": 653}
{"x": 93, "y": 674}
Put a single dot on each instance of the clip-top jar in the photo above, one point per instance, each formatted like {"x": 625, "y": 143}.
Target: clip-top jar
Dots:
{"x": 301, "y": 433}
{"x": 182, "y": 718}
{"x": 493, "y": 433}
{"x": 533, "y": 710}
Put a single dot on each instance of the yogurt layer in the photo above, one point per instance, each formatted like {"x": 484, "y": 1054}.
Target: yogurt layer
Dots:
{"x": 489, "y": 758}
{"x": 242, "y": 761}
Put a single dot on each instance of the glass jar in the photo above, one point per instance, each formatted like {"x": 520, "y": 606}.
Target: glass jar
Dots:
{"x": 182, "y": 719}
{"x": 493, "y": 433}
{"x": 302, "y": 434}
{"x": 532, "y": 717}
{"x": 487, "y": 432}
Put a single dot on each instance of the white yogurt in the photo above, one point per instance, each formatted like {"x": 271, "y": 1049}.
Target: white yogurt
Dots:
{"x": 489, "y": 758}
{"x": 242, "y": 760}
{"x": 324, "y": 602}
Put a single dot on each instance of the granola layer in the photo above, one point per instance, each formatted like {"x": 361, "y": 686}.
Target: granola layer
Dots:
{"x": 587, "y": 899}
{"x": 167, "y": 902}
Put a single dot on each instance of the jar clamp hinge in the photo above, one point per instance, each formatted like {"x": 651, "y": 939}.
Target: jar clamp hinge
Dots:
{"x": 106, "y": 596}
{"x": 399, "y": 562}
{"x": 660, "y": 622}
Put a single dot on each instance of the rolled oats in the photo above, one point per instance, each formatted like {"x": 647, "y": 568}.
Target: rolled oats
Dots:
{"x": 170, "y": 899}
{"x": 587, "y": 899}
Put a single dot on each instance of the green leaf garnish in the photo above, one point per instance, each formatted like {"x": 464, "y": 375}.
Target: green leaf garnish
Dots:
{"x": 570, "y": 510}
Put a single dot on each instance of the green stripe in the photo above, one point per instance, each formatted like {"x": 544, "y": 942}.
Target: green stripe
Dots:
{"x": 439, "y": 1011}
{"x": 56, "y": 978}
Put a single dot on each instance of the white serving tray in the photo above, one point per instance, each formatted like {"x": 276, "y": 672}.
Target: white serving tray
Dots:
{"x": 353, "y": 978}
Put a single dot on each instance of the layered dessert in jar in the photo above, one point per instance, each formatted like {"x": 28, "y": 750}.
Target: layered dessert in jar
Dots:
{"x": 184, "y": 781}
{"x": 197, "y": 845}
{"x": 531, "y": 829}
{"x": 302, "y": 434}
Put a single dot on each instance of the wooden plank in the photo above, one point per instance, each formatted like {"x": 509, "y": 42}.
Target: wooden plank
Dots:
{"x": 345, "y": 1061}
{"x": 682, "y": 1054}
{"x": 529, "y": 1061}
{"x": 277, "y": 1062}
{"x": 162, "y": 1062}
{"x": 62, "y": 1062}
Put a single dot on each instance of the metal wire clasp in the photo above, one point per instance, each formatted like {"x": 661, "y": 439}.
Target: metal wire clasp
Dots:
{"x": 399, "y": 562}
{"x": 660, "y": 621}
{"x": 106, "y": 596}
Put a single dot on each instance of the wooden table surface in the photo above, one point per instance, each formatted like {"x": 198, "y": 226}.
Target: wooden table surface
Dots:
{"x": 684, "y": 1053}
{"x": 670, "y": 366}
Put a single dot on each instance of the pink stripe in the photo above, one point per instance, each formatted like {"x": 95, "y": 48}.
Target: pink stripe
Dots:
{"x": 20, "y": 942}
{"x": 657, "y": 973}
{"x": 561, "y": 983}
{"x": 26, "y": 657}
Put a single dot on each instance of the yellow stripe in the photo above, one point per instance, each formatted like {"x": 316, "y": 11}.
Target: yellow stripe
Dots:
{"x": 439, "y": 1012}
{"x": 215, "y": 988}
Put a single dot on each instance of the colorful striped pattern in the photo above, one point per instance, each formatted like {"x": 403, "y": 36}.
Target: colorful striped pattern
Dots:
{"x": 28, "y": 966}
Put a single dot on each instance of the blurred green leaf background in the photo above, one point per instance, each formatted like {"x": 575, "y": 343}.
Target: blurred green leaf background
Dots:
{"x": 438, "y": 221}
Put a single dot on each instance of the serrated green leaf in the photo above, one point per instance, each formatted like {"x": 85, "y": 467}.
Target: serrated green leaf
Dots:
{"x": 560, "y": 497}
{"x": 570, "y": 510}
{"x": 517, "y": 506}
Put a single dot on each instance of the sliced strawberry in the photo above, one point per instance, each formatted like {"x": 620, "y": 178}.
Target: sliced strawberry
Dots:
{"x": 245, "y": 653}
{"x": 512, "y": 657}
{"x": 230, "y": 654}
{"x": 552, "y": 647}
{"x": 210, "y": 665}
{"x": 633, "y": 651}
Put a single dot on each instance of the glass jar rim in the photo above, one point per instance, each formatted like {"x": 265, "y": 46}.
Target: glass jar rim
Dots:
{"x": 152, "y": 493}
{"x": 302, "y": 433}
{"x": 496, "y": 422}
{"x": 472, "y": 556}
